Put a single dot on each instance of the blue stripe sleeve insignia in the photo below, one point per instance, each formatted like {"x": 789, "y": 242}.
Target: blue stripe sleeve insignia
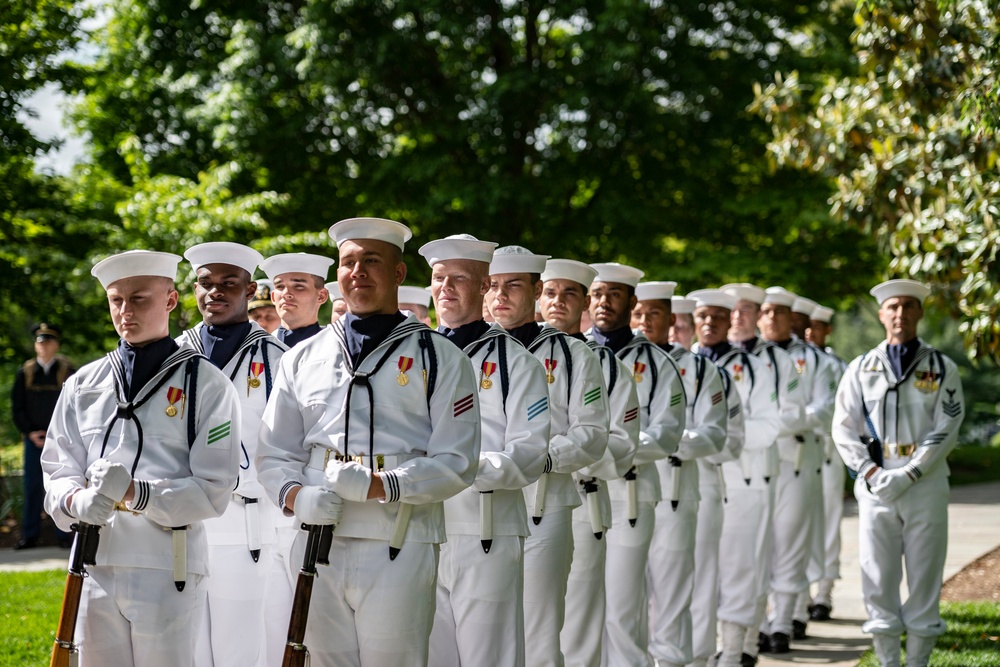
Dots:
{"x": 538, "y": 407}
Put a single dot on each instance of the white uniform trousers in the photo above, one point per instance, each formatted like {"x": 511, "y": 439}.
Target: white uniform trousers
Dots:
{"x": 705, "y": 597}
{"x": 670, "y": 582}
{"x": 626, "y": 617}
{"x": 479, "y": 618}
{"x": 764, "y": 546}
{"x": 548, "y": 554}
{"x": 910, "y": 531}
{"x": 834, "y": 473}
{"x": 816, "y": 550}
{"x": 280, "y": 591}
{"x": 233, "y": 627}
{"x": 742, "y": 553}
{"x": 369, "y": 610}
{"x": 793, "y": 524}
{"x": 136, "y": 616}
{"x": 582, "y": 633}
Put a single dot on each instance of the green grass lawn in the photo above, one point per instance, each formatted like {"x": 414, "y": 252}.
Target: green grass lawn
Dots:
{"x": 971, "y": 640}
{"x": 29, "y": 613}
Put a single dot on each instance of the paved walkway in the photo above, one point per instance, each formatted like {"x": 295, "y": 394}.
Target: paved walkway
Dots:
{"x": 973, "y": 530}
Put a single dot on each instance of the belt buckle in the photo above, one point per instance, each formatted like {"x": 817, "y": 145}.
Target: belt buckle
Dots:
{"x": 906, "y": 450}
{"x": 380, "y": 462}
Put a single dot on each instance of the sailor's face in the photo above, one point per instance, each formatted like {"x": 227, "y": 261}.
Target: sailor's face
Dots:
{"x": 222, "y": 292}
{"x": 744, "y": 320}
{"x": 562, "y": 303}
{"x": 610, "y": 305}
{"x": 266, "y": 317}
{"x": 900, "y": 316}
{"x": 458, "y": 286}
{"x": 711, "y": 324}
{"x": 511, "y": 299}
{"x": 682, "y": 332}
{"x": 140, "y": 308}
{"x": 369, "y": 274}
{"x": 775, "y": 322}
{"x": 654, "y": 318}
{"x": 297, "y": 298}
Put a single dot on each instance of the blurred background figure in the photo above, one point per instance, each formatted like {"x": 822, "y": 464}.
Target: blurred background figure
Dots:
{"x": 261, "y": 308}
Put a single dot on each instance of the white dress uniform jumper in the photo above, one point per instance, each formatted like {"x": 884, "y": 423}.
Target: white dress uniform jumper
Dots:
{"x": 670, "y": 573}
{"x": 408, "y": 410}
{"x": 479, "y": 618}
{"x": 913, "y": 413}
{"x": 178, "y": 434}
{"x": 241, "y": 542}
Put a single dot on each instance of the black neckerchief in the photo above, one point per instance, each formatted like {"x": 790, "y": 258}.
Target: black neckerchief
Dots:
{"x": 715, "y": 352}
{"x": 292, "y": 337}
{"x": 526, "y": 333}
{"x": 616, "y": 340}
{"x": 221, "y": 342}
{"x": 667, "y": 347}
{"x": 579, "y": 336}
{"x": 901, "y": 355}
{"x": 466, "y": 334}
{"x": 364, "y": 334}
{"x": 783, "y": 344}
{"x": 748, "y": 345}
{"x": 142, "y": 363}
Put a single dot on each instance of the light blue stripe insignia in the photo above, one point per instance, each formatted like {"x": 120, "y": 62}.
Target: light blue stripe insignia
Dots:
{"x": 537, "y": 408}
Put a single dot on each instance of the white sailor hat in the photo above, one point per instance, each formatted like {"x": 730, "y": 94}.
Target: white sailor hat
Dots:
{"x": 458, "y": 246}
{"x": 378, "y": 229}
{"x": 296, "y": 262}
{"x": 333, "y": 288}
{"x": 515, "y": 259}
{"x": 613, "y": 272}
{"x": 822, "y": 314}
{"x": 680, "y": 305}
{"x": 133, "y": 263}
{"x": 713, "y": 298}
{"x": 779, "y": 296}
{"x": 745, "y": 292}
{"x": 569, "y": 269}
{"x": 661, "y": 289}
{"x": 804, "y": 306}
{"x": 900, "y": 287}
{"x": 412, "y": 294}
{"x": 224, "y": 252}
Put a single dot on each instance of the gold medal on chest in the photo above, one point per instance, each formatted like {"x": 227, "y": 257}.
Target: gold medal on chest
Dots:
{"x": 404, "y": 364}
{"x": 550, "y": 367}
{"x": 486, "y": 383}
{"x": 171, "y": 411}
{"x": 488, "y": 369}
{"x": 402, "y": 380}
{"x": 173, "y": 395}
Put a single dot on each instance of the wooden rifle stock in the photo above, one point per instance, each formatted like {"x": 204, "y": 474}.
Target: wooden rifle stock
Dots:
{"x": 84, "y": 553}
{"x": 317, "y": 550}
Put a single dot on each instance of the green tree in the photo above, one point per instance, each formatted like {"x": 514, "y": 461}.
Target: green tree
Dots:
{"x": 586, "y": 129}
{"x": 912, "y": 145}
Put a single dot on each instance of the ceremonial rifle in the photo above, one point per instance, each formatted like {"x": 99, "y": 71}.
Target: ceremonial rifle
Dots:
{"x": 317, "y": 551}
{"x": 64, "y": 651}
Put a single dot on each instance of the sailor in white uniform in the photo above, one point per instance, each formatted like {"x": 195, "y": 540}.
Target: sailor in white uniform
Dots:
{"x": 661, "y": 425}
{"x": 741, "y": 548}
{"x": 671, "y": 585}
{"x": 152, "y": 431}
{"x": 299, "y": 291}
{"x": 479, "y": 618}
{"x": 371, "y": 425}
{"x": 764, "y": 463}
{"x": 682, "y": 330}
{"x": 899, "y": 408}
{"x": 579, "y": 437}
{"x": 241, "y": 542}
{"x": 827, "y": 567}
{"x": 564, "y": 298}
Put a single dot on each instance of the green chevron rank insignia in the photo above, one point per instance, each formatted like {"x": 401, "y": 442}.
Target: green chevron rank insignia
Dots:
{"x": 218, "y": 436}
{"x": 676, "y": 399}
{"x": 592, "y": 396}
{"x": 793, "y": 384}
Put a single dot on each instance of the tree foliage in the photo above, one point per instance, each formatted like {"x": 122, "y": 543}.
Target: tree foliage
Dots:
{"x": 912, "y": 145}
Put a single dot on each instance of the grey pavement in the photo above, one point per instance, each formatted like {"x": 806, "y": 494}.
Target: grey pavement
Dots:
{"x": 973, "y": 531}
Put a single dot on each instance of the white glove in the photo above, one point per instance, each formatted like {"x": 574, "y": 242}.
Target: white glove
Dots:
{"x": 318, "y": 506}
{"x": 890, "y": 484}
{"x": 91, "y": 507}
{"x": 109, "y": 479}
{"x": 349, "y": 479}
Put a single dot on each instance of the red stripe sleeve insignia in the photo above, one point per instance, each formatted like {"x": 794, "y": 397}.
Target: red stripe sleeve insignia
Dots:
{"x": 463, "y": 405}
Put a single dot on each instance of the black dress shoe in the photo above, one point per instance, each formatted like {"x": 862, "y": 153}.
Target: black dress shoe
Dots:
{"x": 779, "y": 643}
{"x": 798, "y": 630}
{"x": 819, "y": 612}
{"x": 747, "y": 660}
{"x": 25, "y": 544}
{"x": 763, "y": 643}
